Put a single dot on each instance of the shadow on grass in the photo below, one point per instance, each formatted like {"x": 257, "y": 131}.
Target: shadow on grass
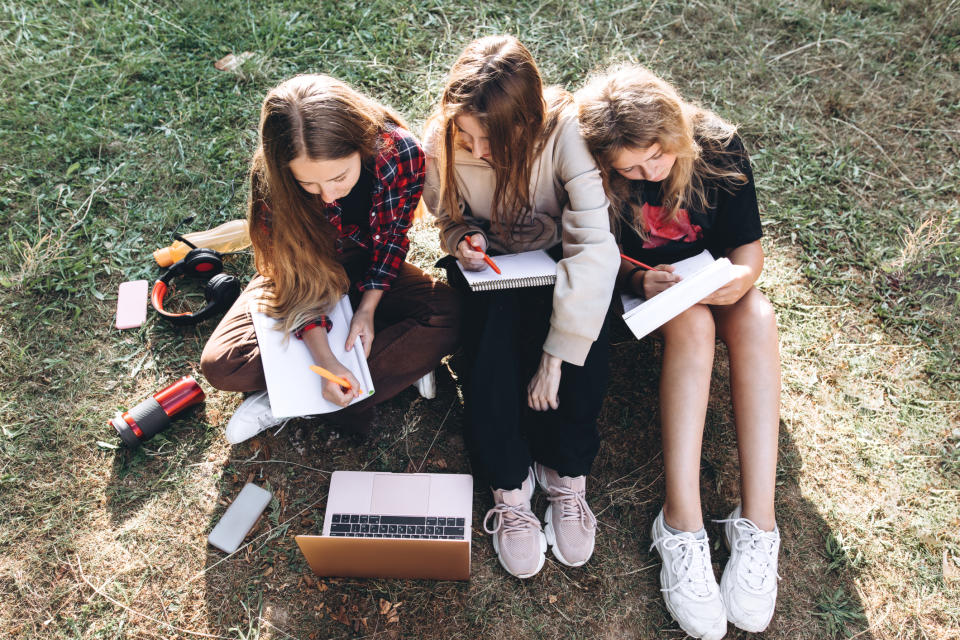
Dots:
{"x": 267, "y": 585}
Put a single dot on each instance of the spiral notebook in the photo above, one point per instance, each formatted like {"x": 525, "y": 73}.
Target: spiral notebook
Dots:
{"x": 294, "y": 389}
{"x": 527, "y": 269}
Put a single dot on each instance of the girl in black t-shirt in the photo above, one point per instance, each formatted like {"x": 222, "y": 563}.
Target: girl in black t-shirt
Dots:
{"x": 679, "y": 181}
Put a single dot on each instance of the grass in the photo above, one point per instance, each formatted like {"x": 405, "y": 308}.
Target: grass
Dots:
{"x": 114, "y": 125}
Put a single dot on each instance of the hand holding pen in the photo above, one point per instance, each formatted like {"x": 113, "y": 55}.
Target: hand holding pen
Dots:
{"x": 471, "y": 254}
{"x": 654, "y": 279}
{"x": 340, "y": 389}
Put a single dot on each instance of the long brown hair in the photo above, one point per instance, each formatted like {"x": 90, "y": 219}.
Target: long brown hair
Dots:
{"x": 496, "y": 81}
{"x": 321, "y": 118}
{"x": 630, "y": 107}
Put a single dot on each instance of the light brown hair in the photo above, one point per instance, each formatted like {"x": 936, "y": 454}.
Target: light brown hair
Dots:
{"x": 320, "y": 118}
{"x": 629, "y": 107}
{"x": 496, "y": 81}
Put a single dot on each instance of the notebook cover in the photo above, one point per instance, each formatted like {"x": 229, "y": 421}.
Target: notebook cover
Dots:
{"x": 649, "y": 315}
{"x": 527, "y": 269}
{"x": 293, "y": 388}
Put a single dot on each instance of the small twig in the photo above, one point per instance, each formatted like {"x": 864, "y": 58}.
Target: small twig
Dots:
{"x": 807, "y": 46}
{"x": 89, "y": 201}
{"x": 435, "y": 436}
{"x": 877, "y": 145}
{"x": 273, "y": 626}
{"x": 630, "y": 573}
{"x": 555, "y": 608}
{"x": 296, "y": 464}
{"x": 142, "y": 615}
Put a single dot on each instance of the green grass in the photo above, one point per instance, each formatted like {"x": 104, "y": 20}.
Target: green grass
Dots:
{"x": 114, "y": 125}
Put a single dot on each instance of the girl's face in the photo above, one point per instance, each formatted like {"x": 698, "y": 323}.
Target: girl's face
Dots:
{"x": 473, "y": 136}
{"x": 650, "y": 164}
{"x": 329, "y": 179}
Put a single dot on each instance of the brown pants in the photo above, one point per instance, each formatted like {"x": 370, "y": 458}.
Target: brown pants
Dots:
{"x": 416, "y": 323}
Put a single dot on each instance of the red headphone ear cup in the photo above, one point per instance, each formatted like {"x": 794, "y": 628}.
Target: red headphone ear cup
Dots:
{"x": 202, "y": 263}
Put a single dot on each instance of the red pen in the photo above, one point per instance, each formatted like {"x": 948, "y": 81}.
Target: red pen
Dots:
{"x": 486, "y": 258}
{"x": 638, "y": 263}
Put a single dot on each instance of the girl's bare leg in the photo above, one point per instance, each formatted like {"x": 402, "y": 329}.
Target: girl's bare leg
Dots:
{"x": 684, "y": 391}
{"x": 749, "y": 329}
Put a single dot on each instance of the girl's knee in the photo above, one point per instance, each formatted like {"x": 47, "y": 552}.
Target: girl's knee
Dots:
{"x": 752, "y": 318}
{"x": 695, "y": 325}
{"x": 213, "y": 368}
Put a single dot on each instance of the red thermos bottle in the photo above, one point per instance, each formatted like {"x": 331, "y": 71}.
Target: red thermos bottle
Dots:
{"x": 153, "y": 415}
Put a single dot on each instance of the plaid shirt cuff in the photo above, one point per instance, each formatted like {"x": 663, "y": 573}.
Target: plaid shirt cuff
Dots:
{"x": 322, "y": 321}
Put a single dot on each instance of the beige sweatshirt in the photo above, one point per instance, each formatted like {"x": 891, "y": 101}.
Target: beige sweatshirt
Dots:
{"x": 569, "y": 206}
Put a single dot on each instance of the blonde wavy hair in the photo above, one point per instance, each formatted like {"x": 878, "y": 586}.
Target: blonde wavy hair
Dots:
{"x": 320, "y": 118}
{"x": 630, "y": 107}
{"x": 496, "y": 81}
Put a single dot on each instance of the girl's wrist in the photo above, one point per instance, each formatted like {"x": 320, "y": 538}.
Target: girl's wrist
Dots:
{"x": 637, "y": 288}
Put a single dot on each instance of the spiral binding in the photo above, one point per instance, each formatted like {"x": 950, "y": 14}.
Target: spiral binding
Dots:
{"x": 514, "y": 283}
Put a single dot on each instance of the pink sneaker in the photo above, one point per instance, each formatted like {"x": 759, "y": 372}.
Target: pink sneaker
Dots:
{"x": 517, "y": 536}
{"x": 571, "y": 526}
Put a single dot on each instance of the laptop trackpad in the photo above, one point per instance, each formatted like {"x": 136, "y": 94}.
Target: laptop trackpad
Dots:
{"x": 396, "y": 494}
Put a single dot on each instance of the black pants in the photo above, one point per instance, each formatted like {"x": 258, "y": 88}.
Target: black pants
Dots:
{"x": 503, "y": 334}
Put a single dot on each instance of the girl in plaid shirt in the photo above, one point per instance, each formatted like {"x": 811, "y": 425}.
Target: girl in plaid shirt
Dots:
{"x": 334, "y": 184}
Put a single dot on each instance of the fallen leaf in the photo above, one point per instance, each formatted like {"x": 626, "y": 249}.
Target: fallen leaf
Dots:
{"x": 308, "y": 579}
{"x": 386, "y": 605}
{"x": 230, "y": 61}
{"x": 551, "y": 599}
{"x": 951, "y": 572}
{"x": 268, "y": 572}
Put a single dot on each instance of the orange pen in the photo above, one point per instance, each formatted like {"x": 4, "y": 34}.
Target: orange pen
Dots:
{"x": 486, "y": 258}
{"x": 638, "y": 263}
{"x": 343, "y": 382}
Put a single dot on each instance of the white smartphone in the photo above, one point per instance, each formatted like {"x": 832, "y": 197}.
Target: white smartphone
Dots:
{"x": 239, "y": 518}
{"x": 132, "y": 304}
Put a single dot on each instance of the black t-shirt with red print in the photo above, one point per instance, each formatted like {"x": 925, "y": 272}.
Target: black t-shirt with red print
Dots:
{"x": 731, "y": 220}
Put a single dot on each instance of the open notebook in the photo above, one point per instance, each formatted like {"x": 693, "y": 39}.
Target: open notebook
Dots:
{"x": 702, "y": 275}
{"x": 527, "y": 269}
{"x": 293, "y": 388}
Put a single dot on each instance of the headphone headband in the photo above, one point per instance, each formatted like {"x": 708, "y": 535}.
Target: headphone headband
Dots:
{"x": 220, "y": 291}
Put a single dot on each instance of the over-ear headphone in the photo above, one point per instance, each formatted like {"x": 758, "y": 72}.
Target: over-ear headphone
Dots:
{"x": 221, "y": 291}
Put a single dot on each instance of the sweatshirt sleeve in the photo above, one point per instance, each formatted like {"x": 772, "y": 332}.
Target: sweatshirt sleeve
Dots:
{"x": 587, "y": 272}
{"x": 451, "y": 232}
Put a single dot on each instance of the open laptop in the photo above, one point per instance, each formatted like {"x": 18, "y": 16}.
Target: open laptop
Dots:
{"x": 394, "y": 525}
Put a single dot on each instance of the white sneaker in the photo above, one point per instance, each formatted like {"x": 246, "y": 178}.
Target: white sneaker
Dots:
{"x": 689, "y": 588}
{"x": 427, "y": 386}
{"x": 749, "y": 582}
{"x": 252, "y": 417}
{"x": 517, "y": 536}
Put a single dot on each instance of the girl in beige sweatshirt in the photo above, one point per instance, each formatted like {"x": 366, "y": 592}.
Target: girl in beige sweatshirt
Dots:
{"x": 507, "y": 167}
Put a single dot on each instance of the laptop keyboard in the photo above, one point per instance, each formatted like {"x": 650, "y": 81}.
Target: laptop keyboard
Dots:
{"x": 423, "y": 527}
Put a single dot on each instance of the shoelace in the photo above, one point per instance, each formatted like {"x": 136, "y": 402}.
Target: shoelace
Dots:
{"x": 759, "y": 547}
{"x": 691, "y": 567}
{"x": 573, "y": 506}
{"x": 513, "y": 519}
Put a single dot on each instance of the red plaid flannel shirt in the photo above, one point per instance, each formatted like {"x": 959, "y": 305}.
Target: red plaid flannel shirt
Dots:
{"x": 398, "y": 171}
